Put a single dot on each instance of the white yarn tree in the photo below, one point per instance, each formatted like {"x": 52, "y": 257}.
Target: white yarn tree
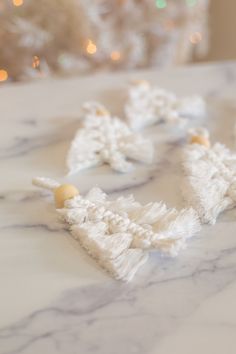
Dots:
{"x": 209, "y": 184}
{"x": 106, "y": 139}
{"x": 147, "y": 105}
{"x": 119, "y": 233}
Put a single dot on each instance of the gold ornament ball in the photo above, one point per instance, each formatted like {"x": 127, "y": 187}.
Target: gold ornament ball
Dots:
{"x": 201, "y": 140}
{"x": 63, "y": 193}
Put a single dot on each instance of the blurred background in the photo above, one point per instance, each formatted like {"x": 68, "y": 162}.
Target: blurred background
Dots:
{"x": 70, "y": 37}
{"x": 222, "y": 25}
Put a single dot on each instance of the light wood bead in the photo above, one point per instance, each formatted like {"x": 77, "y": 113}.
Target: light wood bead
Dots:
{"x": 201, "y": 140}
{"x": 102, "y": 112}
{"x": 140, "y": 82}
{"x": 63, "y": 193}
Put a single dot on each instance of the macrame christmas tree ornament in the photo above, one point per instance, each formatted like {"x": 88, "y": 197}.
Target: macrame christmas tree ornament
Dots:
{"x": 210, "y": 176}
{"x": 106, "y": 139}
{"x": 148, "y": 105}
{"x": 119, "y": 233}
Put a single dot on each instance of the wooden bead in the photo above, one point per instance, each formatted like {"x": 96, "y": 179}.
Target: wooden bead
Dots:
{"x": 102, "y": 112}
{"x": 140, "y": 82}
{"x": 201, "y": 140}
{"x": 63, "y": 193}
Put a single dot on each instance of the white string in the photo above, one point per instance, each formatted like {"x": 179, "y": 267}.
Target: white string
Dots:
{"x": 45, "y": 183}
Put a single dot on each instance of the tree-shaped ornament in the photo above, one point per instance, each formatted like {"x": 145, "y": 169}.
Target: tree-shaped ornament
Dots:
{"x": 210, "y": 176}
{"x": 119, "y": 233}
{"x": 106, "y": 139}
{"x": 147, "y": 105}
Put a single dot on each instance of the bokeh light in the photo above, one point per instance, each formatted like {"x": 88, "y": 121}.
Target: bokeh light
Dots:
{"x": 18, "y": 2}
{"x": 35, "y": 62}
{"x": 115, "y": 55}
{"x": 161, "y": 4}
{"x": 195, "y": 37}
{"x": 3, "y": 75}
{"x": 91, "y": 47}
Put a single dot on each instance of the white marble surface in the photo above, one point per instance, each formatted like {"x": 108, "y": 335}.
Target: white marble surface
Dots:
{"x": 53, "y": 297}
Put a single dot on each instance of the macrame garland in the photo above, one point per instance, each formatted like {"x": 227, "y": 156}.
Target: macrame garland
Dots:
{"x": 106, "y": 139}
{"x": 210, "y": 176}
{"x": 148, "y": 105}
{"x": 119, "y": 233}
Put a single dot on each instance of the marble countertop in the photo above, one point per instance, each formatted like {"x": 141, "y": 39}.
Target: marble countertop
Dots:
{"x": 53, "y": 297}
